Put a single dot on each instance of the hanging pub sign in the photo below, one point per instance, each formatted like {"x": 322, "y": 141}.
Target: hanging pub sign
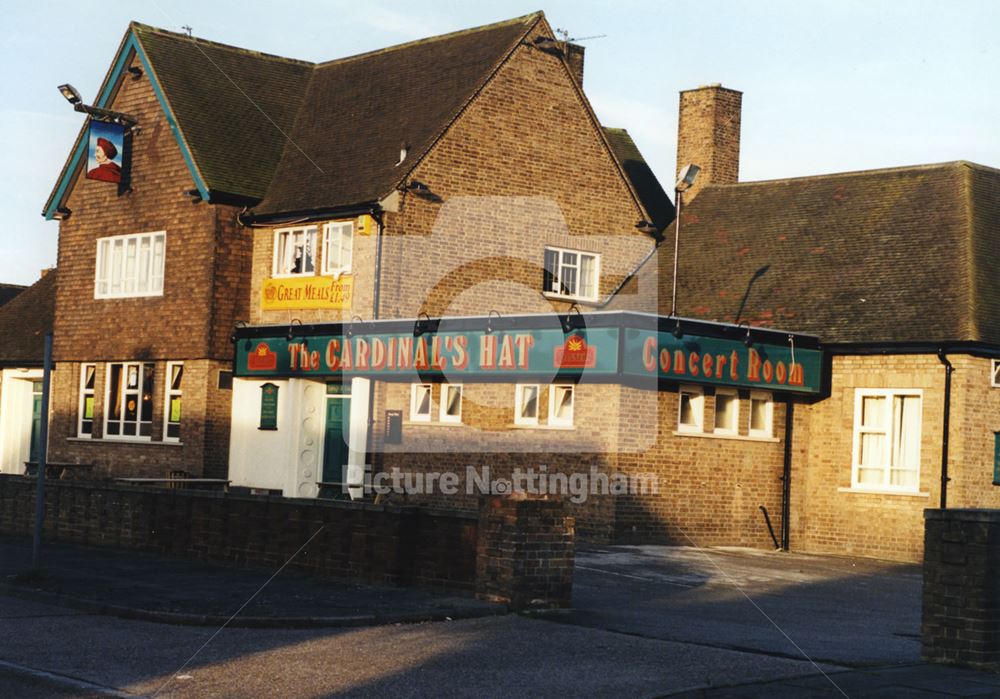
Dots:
{"x": 611, "y": 347}
{"x": 268, "y": 407}
{"x": 106, "y": 152}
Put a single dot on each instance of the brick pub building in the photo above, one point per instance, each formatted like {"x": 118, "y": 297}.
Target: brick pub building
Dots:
{"x": 462, "y": 187}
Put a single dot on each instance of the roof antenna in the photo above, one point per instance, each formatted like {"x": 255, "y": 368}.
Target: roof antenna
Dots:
{"x": 187, "y": 29}
{"x": 564, "y": 36}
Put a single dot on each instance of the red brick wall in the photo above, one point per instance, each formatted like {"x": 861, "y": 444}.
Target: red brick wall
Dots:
{"x": 206, "y": 289}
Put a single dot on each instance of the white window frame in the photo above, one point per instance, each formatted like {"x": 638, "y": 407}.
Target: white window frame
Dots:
{"x": 555, "y": 420}
{"x": 446, "y": 390}
{"x": 108, "y": 408}
{"x": 562, "y": 267}
{"x": 84, "y": 392}
{"x": 170, "y": 393}
{"x": 734, "y": 427}
{"x": 995, "y": 373}
{"x": 112, "y": 258}
{"x": 334, "y": 235}
{"x": 887, "y": 430}
{"x": 519, "y": 391}
{"x": 308, "y": 231}
{"x": 768, "y": 399}
{"x": 697, "y": 407}
{"x": 415, "y": 392}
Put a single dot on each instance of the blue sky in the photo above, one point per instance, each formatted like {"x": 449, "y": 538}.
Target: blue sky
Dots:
{"x": 828, "y": 86}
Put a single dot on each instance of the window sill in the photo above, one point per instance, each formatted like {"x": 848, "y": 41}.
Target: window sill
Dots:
{"x": 112, "y": 297}
{"x": 139, "y": 442}
{"x": 876, "y": 491}
{"x": 432, "y": 423}
{"x": 738, "y": 437}
{"x": 554, "y": 428}
{"x": 570, "y": 299}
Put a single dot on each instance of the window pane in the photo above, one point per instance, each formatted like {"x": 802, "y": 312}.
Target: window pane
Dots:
{"x": 115, "y": 392}
{"x": 687, "y": 409}
{"x": 872, "y": 411}
{"x": 758, "y": 414}
{"x": 529, "y": 402}
{"x": 872, "y": 448}
{"x": 91, "y": 371}
{"x": 176, "y": 372}
{"x": 148, "y": 371}
{"x": 563, "y": 397}
{"x": 588, "y": 270}
{"x": 726, "y": 406}
{"x": 144, "y": 272}
{"x": 906, "y": 432}
{"x": 88, "y": 408}
{"x": 130, "y": 265}
{"x": 423, "y": 400}
{"x": 117, "y": 254}
{"x": 453, "y": 404}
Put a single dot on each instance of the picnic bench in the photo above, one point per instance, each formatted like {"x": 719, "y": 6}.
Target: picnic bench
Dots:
{"x": 57, "y": 470}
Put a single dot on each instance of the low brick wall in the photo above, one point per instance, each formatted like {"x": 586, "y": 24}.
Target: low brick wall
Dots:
{"x": 961, "y": 598}
{"x": 526, "y": 552}
{"x": 516, "y": 551}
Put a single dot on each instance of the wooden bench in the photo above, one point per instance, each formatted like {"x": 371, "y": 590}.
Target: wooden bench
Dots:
{"x": 57, "y": 470}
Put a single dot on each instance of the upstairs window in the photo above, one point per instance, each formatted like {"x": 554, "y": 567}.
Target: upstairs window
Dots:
{"x": 295, "y": 252}
{"x": 526, "y": 404}
{"x": 129, "y": 404}
{"x": 338, "y": 248}
{"x": 727, "y": 411}
{"x": 130, "y": 265}
{"x": 571, "y": 274}
{"x": 761, "y": 414}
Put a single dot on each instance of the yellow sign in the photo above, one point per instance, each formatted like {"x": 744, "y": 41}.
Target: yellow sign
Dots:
{"x": 297, "y": 293}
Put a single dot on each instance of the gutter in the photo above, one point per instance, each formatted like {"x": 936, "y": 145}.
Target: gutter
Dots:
{"x": 252, "y": 220}
{"x": 948, "y": 370}
{"x": 786, "y": 477}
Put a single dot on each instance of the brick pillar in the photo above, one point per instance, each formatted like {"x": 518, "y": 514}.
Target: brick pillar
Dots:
{"x": 524, "y": 552}
{"x": 961, "y": 599}
{"x": 708, "y": 135}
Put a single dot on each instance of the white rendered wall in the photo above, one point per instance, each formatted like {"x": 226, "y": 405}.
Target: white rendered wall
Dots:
{"x": 16, "y": 406}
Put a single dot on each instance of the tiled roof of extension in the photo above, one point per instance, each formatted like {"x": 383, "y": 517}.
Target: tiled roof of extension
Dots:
{"x": 898, "y": 255}
{"x": 25, "y": 320}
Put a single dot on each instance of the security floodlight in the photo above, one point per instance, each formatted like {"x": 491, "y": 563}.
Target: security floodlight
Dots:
{"x": 547, "y": 43}
{"x": 687, "y": 176}
{"x": 689, "y": 173}
{"x": 71, "y": 95}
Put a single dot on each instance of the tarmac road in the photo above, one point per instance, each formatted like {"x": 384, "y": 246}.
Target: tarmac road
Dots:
{"x": 486, "y": 657}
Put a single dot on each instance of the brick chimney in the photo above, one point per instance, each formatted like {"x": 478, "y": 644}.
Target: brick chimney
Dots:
{"x": 708, "y": 135}
{"x": 574, "y": 58}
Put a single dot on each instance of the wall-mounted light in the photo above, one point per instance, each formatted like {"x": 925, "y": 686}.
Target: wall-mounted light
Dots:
{"x": 678, "y": 332}
{"x": 747, "y": 340}
{"x": 418, "y": 188}
{"x": 236, "y": 326}
{"x": 62, "y": 213}
{"x": 489, "y": 321}
{"x": 291, "y": 328}
{"x": 646, "y": 227}
{"x": 420, "y": 326}
{"x": 572, "y": 320}
{"x": 135, "y": 72}
{"x": 350, "y": 327}
{"x": 71, "y": 94}
{"x": 547, "y": 43}
{"x": 194, "y": 194}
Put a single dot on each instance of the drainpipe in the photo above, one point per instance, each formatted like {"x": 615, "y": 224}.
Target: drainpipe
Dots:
{"x": 376, "y": 300}
{"x": 948, "y": 369}
{"x": 786, "y": 477}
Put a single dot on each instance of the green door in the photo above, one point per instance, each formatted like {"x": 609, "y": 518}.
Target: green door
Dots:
{"x": 36, "y": 421}
{"x": 338, "y": 416}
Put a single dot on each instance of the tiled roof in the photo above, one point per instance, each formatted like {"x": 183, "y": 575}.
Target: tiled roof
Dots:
{"x": 359, "y": 111}
{"x": 232, "y": 105}
{"x": 901, "y": 255}
{"x": 9, "y": 291}
{"x": 647, "y": 187}
{"x": 25, "y": 320}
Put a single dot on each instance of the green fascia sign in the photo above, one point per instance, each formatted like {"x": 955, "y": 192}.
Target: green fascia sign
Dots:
{"x": 616, "y": 347}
